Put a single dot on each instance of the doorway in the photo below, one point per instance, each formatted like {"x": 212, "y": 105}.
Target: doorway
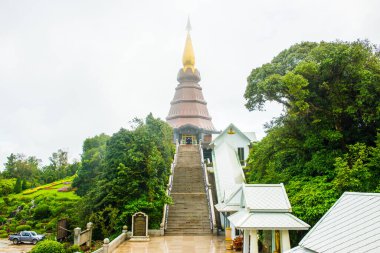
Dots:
{"x": 188, "y": 139}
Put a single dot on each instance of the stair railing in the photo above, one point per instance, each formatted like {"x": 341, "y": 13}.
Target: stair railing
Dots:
{"x": 208, "y": 189}
{"x": 165, "y": 213}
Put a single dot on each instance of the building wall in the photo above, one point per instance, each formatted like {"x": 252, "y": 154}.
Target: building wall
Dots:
{"x": 236, "y": 141}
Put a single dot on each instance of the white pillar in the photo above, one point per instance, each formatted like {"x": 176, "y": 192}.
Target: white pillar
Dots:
{"x": 254, "y": 246}
{"x": 89, "y": 228}
{"x": 285, "y": 240}
{"x": 233, "y": 231}
{"x": 77, "y": 236}
{"x": 106, "y": 243}
{"x": 246, "y": 241}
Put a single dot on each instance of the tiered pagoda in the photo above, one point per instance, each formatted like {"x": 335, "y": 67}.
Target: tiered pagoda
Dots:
{"x": 188, "y": 114}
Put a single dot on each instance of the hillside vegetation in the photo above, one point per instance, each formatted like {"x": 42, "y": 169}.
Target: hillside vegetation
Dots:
{"x": 123, "y": 174}
{"x": 39, "y": 208}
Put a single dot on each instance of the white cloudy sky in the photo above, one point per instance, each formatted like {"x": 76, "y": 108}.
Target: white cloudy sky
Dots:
{"x": 73, "y": 69}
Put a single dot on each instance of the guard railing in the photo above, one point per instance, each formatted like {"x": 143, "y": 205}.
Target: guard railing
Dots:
{"x": 164, "y": 222}
{"x": 208, "y": 190}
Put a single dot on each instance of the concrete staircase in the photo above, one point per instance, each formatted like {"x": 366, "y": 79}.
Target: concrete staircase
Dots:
{"x": 189, "y": 214}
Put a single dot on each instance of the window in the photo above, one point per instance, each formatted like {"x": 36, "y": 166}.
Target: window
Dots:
{"x": 265, "y": 241}
{"x": 241, "y": 156}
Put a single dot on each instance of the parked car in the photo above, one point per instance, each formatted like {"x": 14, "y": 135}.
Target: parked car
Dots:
{"x": 26, "y": 236}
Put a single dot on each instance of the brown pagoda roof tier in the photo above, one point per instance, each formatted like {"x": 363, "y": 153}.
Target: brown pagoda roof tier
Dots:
{"x": 200, "y": 123}
{"x": 188, "y": 106}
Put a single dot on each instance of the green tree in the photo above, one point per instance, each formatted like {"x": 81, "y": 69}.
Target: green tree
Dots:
{"x": 134, "y": 174}
{"x": 24, "y": 185}
{"x": 18, "y": 187}
{"x": 20, "y": 166}
{"x": 94, "y": 150}
{"x": 326, "y": 140}
{"x": 59, "y": 167}
{"x": 7, "y": 186}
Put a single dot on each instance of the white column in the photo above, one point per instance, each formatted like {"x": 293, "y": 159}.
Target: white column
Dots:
{"x": 89, "y": 228}
{"x": 246, "y": 241}
{"x": 77, "y": 236}
{"x": 254, "y": 246}
{"x": 285, "y": 240}
{"x": 106, "y": 244}
{"x": 233, "y": 230}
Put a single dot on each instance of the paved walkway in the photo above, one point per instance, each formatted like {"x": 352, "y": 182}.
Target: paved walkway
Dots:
{"x": 6, "y": 246}
{"x": 176, "y": 244}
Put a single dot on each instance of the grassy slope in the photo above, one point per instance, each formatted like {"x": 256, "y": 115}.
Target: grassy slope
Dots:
{"x": 48, "y": 189}
{"x": 60, "y": 203}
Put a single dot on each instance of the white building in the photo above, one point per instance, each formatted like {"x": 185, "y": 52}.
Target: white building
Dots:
{"x": 351, "y": 225}
{"x": 263, "y": 213}
{"x": 230, "y": 150}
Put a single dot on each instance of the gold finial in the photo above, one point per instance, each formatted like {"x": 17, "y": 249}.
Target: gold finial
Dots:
{"x": 188, "y": 59}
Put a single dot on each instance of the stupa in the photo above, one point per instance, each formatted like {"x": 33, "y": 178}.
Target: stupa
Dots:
{"x": 188, "y": 114}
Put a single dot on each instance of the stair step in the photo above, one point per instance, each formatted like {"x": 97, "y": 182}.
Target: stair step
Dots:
{"x": 189, "y": 213}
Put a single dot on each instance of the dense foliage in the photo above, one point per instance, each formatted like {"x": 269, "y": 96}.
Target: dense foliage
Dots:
{"x": 92, "y": 161}
{"x": 39, "y": 209}
{"x": 27, "y": 172}
{"x": 129, "y": 173}
{"x": 326, "y": 141}
{"x": 7, "y": 186}
{"x": 48, "y": 246}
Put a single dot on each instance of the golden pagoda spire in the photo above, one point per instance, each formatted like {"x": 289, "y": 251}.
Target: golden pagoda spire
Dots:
{"x": 188, "y": 58}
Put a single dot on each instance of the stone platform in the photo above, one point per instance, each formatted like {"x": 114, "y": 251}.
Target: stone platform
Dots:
{"x": 176, "y": 244}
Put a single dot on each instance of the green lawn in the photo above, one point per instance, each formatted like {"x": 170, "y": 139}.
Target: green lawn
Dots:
{"x": 49, "y": 189}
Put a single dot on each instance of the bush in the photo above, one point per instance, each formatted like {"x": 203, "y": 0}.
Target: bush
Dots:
{"x": 2, "y": 219}
{"x": 51, "y": 225}
{"x": 6, "y": 186}
{"x": 22, "y": 228}
{"x": 6, "y": 200}
{"x": 48, "y": 246}
{"x": 73, "y": 249}
{"x": 3, "y": 235}
{"x": 12, "y": 227}
{"x": 42, "y": 212}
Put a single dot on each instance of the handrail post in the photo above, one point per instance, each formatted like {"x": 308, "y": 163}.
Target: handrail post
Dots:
{"x": 165, "y": 212}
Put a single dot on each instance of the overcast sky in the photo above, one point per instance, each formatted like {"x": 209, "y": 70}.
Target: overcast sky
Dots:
{"x": 74, "y": 69}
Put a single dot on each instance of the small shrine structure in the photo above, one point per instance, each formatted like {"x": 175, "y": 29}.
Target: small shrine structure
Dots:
{"x": 261, "y": 213}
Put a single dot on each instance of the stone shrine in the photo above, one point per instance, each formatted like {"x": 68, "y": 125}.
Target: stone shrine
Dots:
{"x": 140, "y": 227}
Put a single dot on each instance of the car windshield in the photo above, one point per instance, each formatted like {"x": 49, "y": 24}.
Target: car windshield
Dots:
{"x": 33, "y": 233}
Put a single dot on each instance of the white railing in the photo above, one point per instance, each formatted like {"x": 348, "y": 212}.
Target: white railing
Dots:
{"x": 165, "y": 212}
{"x": 116, "y": 242}
{"x": 208, "y": 189}
{"x": 109, "y": 247}
{"x": 82, "y": 237}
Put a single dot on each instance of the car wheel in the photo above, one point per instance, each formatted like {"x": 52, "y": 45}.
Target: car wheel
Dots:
{"x": 15, "y": 241}
{"x": 34, "y": 241}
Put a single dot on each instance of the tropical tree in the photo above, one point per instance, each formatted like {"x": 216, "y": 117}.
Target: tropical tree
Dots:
{"x": 131, "y": 177}
{"x": 94, "y": 150}
{"x": 325, "y": 142}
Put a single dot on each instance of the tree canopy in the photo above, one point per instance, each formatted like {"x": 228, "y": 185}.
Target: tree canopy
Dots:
{"x": 326, "y": 141}
{"x": 131, "y": 170}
